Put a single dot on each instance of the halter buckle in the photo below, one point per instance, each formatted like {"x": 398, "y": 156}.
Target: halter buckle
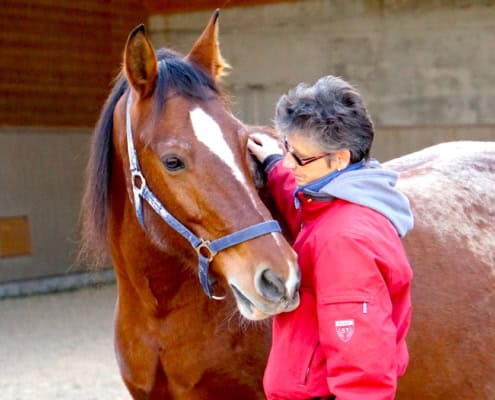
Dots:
{"x": 138, "y": 181}
{"x": 203, "y": 246}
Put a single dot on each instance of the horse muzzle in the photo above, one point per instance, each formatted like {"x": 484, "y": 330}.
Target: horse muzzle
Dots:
{"x": 274, "y": 295}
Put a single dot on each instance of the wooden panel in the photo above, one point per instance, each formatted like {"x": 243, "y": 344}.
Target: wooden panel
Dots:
{"x": 177, "y": 6}
{"x": 59, "y": 58}
{"x": 14, "y": 236}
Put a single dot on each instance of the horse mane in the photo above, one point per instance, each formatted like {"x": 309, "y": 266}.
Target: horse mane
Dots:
{"x": 174, "y": 74}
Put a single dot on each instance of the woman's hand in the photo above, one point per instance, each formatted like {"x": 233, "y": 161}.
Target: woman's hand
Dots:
{"x": 263, "y": 145}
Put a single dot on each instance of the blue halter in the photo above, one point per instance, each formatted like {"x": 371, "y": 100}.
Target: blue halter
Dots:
{"x": 205, "y": 249}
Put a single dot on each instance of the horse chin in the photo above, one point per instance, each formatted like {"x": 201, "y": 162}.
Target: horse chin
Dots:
{"x": 253, "y": 312}
{"x": 246, "y": 307}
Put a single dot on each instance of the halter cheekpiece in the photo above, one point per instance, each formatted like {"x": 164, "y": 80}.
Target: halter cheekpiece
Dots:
{"x": 205, "y": 249}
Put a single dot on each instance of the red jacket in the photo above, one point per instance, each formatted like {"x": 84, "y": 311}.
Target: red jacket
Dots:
{"x": 347, "y": 337}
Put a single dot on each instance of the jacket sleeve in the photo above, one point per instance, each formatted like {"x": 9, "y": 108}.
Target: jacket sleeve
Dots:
{"x": 281, "y": 184}
{"x": 356, "y": 330}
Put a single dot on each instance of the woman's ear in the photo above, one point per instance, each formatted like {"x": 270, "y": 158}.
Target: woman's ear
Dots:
{"x": 343, "y": 159}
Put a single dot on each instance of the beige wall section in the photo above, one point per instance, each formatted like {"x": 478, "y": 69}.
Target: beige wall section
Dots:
{"x": 424, "y": 67}
{"x": 42, "y": 177}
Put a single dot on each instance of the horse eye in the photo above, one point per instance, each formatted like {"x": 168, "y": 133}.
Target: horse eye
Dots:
{"x": 174, "y": 163}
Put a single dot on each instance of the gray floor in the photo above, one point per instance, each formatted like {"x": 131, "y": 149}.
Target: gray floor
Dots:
{"x": 59, "y": 346}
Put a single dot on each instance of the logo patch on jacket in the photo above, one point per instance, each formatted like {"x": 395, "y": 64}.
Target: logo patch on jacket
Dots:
{"x": 344, "y": 329}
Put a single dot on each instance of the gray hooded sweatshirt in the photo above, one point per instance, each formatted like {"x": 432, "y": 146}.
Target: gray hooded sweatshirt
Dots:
{"x": 371, "y": 186}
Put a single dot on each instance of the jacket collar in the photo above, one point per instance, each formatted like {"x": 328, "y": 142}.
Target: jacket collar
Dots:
{"x": 312, "y": 190}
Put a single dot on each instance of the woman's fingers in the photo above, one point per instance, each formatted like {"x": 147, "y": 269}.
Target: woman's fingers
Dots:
{"x": 256, "y": 148}
{"x": 255, "y": 138}
{"x": 263, "y": 145}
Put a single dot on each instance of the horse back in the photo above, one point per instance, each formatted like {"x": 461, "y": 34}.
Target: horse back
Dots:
{"x": 451, "y": 188}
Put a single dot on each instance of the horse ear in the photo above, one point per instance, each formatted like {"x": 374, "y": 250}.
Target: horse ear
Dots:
{"x": 206, "y": 50}
{"x": 140, "y": 63}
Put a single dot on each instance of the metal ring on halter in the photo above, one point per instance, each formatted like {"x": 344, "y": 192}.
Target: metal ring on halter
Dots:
{"x": 205, "y": 245}
{"x": 138, "y": 174}
{"x": 211, "y": 285}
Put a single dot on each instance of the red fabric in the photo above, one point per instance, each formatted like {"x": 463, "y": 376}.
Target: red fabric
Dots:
{"x": 347, "y": 337}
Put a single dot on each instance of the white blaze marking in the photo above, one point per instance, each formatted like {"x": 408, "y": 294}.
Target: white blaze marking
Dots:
{"x": 207, "y": 131}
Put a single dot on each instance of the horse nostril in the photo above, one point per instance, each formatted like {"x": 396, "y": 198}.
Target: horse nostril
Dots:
{"x": 270, "y": 285}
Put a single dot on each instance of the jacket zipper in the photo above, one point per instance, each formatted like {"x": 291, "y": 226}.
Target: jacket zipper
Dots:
{"x": 310, "y": 362}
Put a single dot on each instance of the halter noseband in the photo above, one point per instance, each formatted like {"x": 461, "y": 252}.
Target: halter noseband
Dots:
{"x": 205, "y": 249}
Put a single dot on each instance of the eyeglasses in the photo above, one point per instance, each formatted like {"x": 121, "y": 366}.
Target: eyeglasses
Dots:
{"x": 302, "y": 161}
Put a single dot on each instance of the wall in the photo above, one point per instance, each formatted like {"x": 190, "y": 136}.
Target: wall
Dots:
{"x": 424, "y": 67}
{"x": 58, "y": 61}
{"x": 41, "y": 178}
{"x": 58, "y": 58}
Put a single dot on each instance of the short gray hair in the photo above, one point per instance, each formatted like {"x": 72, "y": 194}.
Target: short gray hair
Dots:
{"x": 331, "y": 112}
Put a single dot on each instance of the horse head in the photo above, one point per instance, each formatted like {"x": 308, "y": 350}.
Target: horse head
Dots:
{"x": 175, "y": 137}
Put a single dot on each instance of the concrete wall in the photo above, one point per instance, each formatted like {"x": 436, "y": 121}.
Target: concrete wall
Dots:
{"x": 422, "y": 66}
{"x": 58, "y": 60}
{"x": 41, "y": 177}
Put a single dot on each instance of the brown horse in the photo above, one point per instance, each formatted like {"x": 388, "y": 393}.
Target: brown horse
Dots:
{"x": 173, "y": 341}
{"x": 169, "y": 186}
{"x": 452, "y": 251}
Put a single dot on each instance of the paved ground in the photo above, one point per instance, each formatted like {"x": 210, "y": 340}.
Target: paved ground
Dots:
{"x": 59, "y": 347}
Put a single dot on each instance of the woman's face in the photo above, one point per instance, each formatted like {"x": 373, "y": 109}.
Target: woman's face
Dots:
{"x": 302, "y": 148}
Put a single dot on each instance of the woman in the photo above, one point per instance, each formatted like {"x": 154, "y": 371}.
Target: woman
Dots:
{"x": 346, "y": 340}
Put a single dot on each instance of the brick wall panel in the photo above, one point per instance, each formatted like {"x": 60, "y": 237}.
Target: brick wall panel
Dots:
{"x": 59, "y": 58}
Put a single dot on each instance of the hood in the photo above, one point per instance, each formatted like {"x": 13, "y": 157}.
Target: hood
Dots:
{"x": 374, "y": 187}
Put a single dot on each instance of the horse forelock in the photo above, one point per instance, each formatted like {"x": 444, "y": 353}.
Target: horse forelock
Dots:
{"x": 175, "y": 75}
{"x": 182, "y": 78}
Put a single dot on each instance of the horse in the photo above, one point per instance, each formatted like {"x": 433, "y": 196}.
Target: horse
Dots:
{"x": 451, "y": 187}
{"x": 169, "y": 191}
{"x": 168, "y": 155}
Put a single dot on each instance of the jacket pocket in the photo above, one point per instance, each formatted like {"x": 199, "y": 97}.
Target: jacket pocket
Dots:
{"x": 358, "y": 299}
{"x": 345, "y": 315}
{"x": 309, "y": 363}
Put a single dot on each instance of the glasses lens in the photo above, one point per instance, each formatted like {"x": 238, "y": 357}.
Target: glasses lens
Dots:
{"x": 286, "y": 145}
{"x": 294, "y": 155}
{"x": 298, "y": 160}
